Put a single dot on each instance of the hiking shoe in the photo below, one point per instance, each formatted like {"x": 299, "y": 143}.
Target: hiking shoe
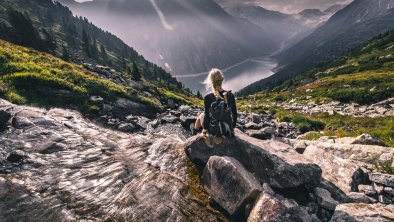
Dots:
{"x": 192, "y": 129}
{"x": 209, "y": 141}
{"x": 217, "y": 140}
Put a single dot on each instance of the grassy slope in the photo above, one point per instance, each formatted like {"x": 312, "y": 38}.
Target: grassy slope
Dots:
{"x": 67, "y": 31}
{"x": 29, "y": 76}
{"x": 365, "y": 76}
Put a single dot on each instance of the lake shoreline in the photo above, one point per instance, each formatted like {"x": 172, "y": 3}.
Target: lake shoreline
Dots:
{"x": 237, "y": 76}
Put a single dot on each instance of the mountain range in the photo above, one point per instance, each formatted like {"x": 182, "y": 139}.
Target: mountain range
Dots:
{"x": 182, "y": 36}
{"x": 345, "y": 30}
{"x": 284, "y": 29}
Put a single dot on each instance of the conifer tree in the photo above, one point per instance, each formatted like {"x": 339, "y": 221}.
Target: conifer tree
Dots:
{"x": 86, "y": 43}
{"x": 136, "y": 75}
{"x": 65, "y": 55}
{"x": 199, "y": 95}
{"x": 103, "y": 53}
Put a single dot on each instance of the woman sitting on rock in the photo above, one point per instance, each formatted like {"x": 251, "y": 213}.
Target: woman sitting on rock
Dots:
{"x": 220, "y": 116}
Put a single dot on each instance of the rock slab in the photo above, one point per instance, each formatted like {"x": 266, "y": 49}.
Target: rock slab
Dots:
{"x": 229, "y": 183}
{"x": 271, "y": 207}
{"x": 360, "y": 212}
{"x": 384, "y": 179}
{"x": 271, "y": 162}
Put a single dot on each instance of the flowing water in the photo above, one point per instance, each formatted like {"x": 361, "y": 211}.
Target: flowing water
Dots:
{"x": 57, "y": 166}
{"x": 237, "y": 76}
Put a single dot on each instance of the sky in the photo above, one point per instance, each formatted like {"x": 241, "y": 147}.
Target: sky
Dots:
{"x": 290, "y": 6}
{"x": 285, "y": 6}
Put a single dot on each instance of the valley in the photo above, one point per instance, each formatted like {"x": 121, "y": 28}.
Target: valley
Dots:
{"x": 237, "y": 76}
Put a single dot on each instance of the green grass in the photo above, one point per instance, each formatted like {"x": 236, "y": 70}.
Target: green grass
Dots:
{"x": 364, "y": 76}
{"x": 302, "y": 122}
{"x": 181, "y": 98}
{"x": 29, "y": 76}
{"x": 312, "y": 136}
{"x": 383, "y": 167}
{"x": 344, "y": 126}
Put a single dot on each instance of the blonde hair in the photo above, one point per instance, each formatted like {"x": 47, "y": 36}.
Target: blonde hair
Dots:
{"x": 214, "y": 81}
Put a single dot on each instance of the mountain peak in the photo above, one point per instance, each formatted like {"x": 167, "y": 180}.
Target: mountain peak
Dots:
{"x": 334, "y": 8}
{"x": 311, "y": 13}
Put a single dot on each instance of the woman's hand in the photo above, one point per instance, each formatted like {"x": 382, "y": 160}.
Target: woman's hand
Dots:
{"x": 204, "y": 132}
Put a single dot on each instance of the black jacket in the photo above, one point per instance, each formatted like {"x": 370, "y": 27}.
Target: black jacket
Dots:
{"x": 210, "y": 98}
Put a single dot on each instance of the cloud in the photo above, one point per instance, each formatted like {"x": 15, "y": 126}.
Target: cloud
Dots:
{"x": 289, "y": 6}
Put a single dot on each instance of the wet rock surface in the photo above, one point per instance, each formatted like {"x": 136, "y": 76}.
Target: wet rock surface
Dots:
{"x": 57, "y": 166}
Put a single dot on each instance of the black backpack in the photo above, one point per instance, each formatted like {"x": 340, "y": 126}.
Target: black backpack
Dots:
{"x": 221, "y": 119}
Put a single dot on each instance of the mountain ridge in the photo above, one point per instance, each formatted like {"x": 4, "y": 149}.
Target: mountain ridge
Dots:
{"x": 209, "y": 36}
{"x": 362, "y": 20}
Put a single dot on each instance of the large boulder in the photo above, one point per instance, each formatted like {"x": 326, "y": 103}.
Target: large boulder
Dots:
{"x": 4, "y": 118}
{"x": 273, "y": 207}
{"x": 186, "y": 121}
{"x": 270, "y": 161}
{"x": 366, "y": 139}
{"x": 229, "y": 183}
{"x": 346, "y": 149}
{"x": 123, "y": 107}
{"x": 325, "y": 199}
{"x": 255, "y": 118}
{"x": 384, "y": 179}
{"x": 335, "y": 169}
{"x": 360, "y": 212}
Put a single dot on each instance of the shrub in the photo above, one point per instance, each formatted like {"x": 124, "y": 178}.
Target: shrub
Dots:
{"x": 346, "y": 70}
{"x": 305, "y": 124}
{"x": 313, "y": 136}
{"x": 383, "y": 166}
{"x": 303, "y": 127}
{"x": 94, "y": 109}
{"x": 14, "y": 97}
{"x": 279, "y": 98}
{"x": 362, "y": 96}
{"x": 285, "y": 119}
{"x": 273, "y": 111}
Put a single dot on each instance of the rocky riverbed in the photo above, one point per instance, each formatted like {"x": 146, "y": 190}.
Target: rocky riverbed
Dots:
{"x": 381, "y": 109}
{"x": 56, "y": 165}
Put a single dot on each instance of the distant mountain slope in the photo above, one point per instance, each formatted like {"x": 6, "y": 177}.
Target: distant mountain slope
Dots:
{"x": 183, "y": 36}
{"x": 284, "y": 29}
{"x": 365, "y": 76}
{"x": 349, "y": 28}
{"x": 334, "y": 8}
{"x": 49, "y": 26}
{"x": 311, "y": 13}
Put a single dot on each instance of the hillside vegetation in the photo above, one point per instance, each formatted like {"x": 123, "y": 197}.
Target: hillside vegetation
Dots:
{"x": 364, "y": 76}
{"x": 30, "y": 76}
{"x": 47, "y": 25}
